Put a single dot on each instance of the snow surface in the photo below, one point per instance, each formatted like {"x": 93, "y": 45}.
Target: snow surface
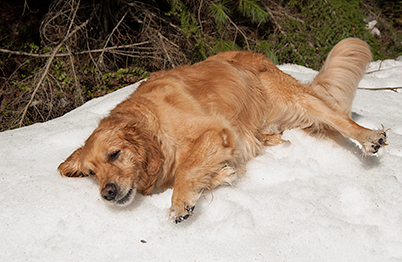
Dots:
{"x": 313, "y": 200}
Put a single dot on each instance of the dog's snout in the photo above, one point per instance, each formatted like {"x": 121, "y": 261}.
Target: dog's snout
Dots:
{"x": 109, "y": 192}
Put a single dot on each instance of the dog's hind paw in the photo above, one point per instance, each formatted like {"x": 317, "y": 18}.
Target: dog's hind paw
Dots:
{"x": 272, "y": 139}
{"x": 178, "y": 215}
{"x": 374, "y": 142}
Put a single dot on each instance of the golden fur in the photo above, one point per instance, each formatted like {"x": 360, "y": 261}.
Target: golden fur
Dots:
{"x": 195, "y": 127}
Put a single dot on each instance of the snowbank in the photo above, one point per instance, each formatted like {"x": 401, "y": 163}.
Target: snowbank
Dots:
{"x": 314, "y": 200}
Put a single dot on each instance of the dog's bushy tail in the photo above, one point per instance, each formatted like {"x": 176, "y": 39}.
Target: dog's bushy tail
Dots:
{"x": 337, "y": 81}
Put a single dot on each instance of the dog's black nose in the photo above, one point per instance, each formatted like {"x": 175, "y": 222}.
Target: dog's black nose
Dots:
{"x": 109, "y": 192}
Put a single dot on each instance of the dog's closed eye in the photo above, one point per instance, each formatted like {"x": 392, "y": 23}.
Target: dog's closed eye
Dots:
{"x": 113, "y": 156}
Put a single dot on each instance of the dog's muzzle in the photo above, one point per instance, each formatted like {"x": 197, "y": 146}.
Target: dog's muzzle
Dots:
{"x": 113, "y": 195}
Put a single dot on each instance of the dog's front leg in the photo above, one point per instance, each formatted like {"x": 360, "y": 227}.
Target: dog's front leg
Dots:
{"x": 201, "y": 169}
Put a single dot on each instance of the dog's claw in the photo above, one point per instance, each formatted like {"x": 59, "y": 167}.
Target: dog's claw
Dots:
{"x": 190, "y": 209}
{"x": 181, "y": 218}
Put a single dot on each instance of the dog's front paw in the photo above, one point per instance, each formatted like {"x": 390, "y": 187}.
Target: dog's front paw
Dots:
{"x": 374, "y": 142}
{"x": 179, "y": 214}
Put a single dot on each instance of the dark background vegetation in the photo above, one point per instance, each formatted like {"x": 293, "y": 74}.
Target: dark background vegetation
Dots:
{"x": 56, "y": 55}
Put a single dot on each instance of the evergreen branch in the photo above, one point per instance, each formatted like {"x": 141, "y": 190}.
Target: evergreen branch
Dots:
{"x": 251, "y": 9}
{"x": 220, "y": 12}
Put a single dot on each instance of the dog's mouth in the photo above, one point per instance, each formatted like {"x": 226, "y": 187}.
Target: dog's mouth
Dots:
{"x": 127, "y": 199}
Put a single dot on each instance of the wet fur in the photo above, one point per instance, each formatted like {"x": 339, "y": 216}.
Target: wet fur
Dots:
{"x": 195, "y": 127}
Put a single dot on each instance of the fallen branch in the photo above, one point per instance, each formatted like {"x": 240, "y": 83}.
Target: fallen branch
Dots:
{"x": 107, "y": 49}
{"x": 380, "y": 88}
{"x": 29, "y": 54}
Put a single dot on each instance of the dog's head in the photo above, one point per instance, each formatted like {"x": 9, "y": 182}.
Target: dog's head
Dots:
{"x": 122, "y": 158}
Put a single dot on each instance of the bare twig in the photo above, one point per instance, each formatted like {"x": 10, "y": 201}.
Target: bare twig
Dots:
{"x": 56, "y": 13}
{"x": 100, "y": 61}
{"x": 153, "y": 15}
{"x": 47, "y": 66}
{"x": 166, "y": 51}
{"x": 111, "y": 48}
{"x": 241, "y": 31}
{"x": 283, "y": 12}
{"x": 92, "y": 58}
{"x": 271, "y": 15}
{"x": 199, "y": 15}
{"x": 377, "y": 70}
{"x": 77, "y": 83}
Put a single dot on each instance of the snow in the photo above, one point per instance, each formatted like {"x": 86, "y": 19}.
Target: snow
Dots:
{"x": 310, "y": 200}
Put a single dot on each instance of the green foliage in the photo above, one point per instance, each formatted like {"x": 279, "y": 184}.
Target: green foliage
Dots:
{"x": 221, "y": 10}
{"x": 31, "y": 47}
{"x": 190, "y": 27}
{"x": 158, "y": 35}
{"x": 321, "y": 25}
{"x": 224, "y": 45}
{"x": 266, "y": 48}
{"x": 123, "y": 76}
{"x": 251, "y": 9}
{"x": 187, "y": 19}
{"x": 303, "y": 33}
{"x": 113, "y": 81}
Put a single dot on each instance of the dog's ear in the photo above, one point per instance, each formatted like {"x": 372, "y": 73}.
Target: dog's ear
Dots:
{"x": 140, "y": 139}
{"x": 151, "y": 166}
{"x": 71, "y": 167}
{"x": 154, "y": 159}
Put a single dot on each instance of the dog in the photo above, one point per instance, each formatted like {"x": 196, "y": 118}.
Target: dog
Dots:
{"x": 195, "y": 127}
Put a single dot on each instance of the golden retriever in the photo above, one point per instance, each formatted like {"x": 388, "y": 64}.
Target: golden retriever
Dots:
{"x": 195, "y": 127}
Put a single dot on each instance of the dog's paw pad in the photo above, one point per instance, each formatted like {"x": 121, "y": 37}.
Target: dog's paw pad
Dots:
{"x": 179, "y": 216}
{"x": 374, "y": 142}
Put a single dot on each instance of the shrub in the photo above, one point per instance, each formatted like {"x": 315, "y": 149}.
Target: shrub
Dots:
{"x": 67, "y": 52}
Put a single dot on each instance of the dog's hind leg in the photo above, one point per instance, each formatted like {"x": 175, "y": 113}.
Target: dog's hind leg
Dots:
{"x": 208, "y": 164}
{"x": 333, "y": 91}
{"x": 322, "y": 117}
